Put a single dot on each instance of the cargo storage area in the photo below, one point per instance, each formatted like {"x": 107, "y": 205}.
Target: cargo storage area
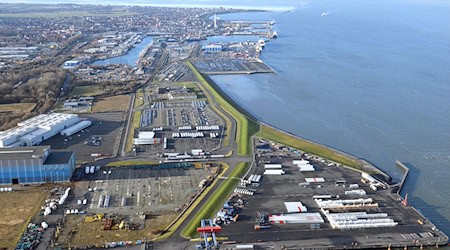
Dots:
{"x": 302, "y": 200}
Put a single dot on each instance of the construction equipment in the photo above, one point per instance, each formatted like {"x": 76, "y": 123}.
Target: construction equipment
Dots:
{"x": 95, "y": 217}
{"x": 262, "y": 221}
{"x": 208, "y": 230}
{"x": 122, "y": 225}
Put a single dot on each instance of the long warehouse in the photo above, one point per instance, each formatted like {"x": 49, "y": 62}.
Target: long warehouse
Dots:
{"x": 29, "y": 165}
{"x": 40, "y": 128}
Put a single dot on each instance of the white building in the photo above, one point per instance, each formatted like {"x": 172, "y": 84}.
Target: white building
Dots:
{"x": 37, "y": 129}
{"x": 71, "y": 64}
{"x": 212, "y": 48}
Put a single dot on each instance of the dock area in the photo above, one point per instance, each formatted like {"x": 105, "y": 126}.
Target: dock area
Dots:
{"x": 232, "y": 66}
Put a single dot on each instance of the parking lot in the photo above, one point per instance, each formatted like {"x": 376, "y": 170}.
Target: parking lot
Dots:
{"x": 178, "y": 114}
{"x": 277, "y": 189}
{"x": 166, "y": 117}
{"x": 132, "y": 190}
{"x": 108, "y": 126}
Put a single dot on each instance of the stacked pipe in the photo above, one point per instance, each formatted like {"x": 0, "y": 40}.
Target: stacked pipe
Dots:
{"x": 359, "y": 220}
{"x": 52, "y": 203}
{"x": 360, "y": 192}
{"x": 341, "y": 203}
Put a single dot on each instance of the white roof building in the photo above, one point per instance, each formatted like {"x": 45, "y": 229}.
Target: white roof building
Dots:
{"x": 37, "y": 129}
{"x": 295, "y": 207}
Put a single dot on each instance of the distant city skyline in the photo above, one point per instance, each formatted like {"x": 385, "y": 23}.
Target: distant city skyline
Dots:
{"x": 280, "y": 5}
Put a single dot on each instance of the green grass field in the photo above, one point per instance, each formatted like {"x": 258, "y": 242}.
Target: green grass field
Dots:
{"x": 306, "y": 146}
{"x": 139, "y": 98}
{"x": 245, "y": 127}
{"x": 133, "y": 126}
{"x": 216, "y": 200}
{"x": 90, "y": 90}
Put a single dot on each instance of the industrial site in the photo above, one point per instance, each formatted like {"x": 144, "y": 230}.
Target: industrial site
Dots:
{"x": 136, "y": 147}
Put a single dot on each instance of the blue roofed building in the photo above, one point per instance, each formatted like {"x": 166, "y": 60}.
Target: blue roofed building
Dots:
{"x": 35, "y": 165}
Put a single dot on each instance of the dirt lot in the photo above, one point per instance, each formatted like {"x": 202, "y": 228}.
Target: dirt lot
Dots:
{"x": 17, "y": 208}
{"x": 80, "y": 233}
{"x": 113, "y": 103}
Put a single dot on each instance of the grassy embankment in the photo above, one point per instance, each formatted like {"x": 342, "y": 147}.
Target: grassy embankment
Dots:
{"x": 133, "y": 126}
{"x": 139, "y": 99}
{"x": 245, "y": 127}
{"x": 215, "y": 202}
{"x": 136, "y": 119}
{"x": 308, "y": 147}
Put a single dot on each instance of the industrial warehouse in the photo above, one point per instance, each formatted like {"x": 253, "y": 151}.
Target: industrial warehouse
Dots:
{"x": 34, "y": 131}
{"x": 35, "y": 165}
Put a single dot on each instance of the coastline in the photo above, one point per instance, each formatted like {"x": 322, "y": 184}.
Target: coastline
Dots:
{"x": 393, "y": 189}
{"x": 366, "y": 164}
{"x": 367, "y": 167}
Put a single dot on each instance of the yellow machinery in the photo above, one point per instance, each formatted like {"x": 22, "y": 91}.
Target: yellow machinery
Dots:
{"x": 122, "y": 225}
{"x": 95, "y": 217}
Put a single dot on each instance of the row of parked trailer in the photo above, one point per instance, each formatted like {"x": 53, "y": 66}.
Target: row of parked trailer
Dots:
{"x": 254, "y": 178}
{"x": 103, "y": 201}
{"x": 185, "y": 128}
{"x": 207, "y": 128}
{"x": 158, "y": 129}
{"x": 244, "y": 191}
{"x": 213, "y": 135}
{"x": 274, "y": 172}
{"x": 188, "y": 135}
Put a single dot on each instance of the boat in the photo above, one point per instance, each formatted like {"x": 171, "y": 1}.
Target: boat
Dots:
{"x": 261, "y": 43}
{"x": 272, "y": 22}
{"x": 274, "y": 35}
{"x": 325, "y": 14}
